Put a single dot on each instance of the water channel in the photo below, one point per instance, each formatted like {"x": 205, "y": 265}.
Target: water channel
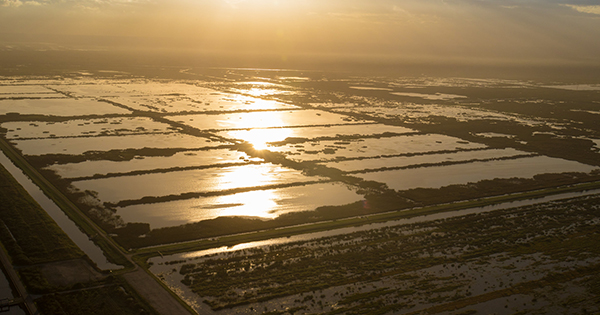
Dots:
{"x": 69, "y": 227}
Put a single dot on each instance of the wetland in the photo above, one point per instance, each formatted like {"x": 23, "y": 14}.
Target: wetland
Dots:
{"x": 168, "y": 166}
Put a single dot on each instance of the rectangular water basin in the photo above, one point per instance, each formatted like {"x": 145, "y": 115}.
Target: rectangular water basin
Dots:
{"x": 265, "y": 136}
{"x": 147, "y": 163}
{"x": 23, "y": 89}
{"x": 402, "y": 161}
{"x": 106, "y": 143}
{"x": 267, "y": 119}
{"x": 59, "y": 107}
{"x": 372, "y": 147}
{"x": 439, "y": 176}
{"x": 268, "y": 203}
{"x": 80, "y": 127}
{"x": 115, "y": 189}
{"x": 214, "y": 101}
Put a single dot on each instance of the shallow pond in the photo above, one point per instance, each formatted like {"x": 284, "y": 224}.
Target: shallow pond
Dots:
{"x": 81, "y": 127}
{"x": 24, "y": 89}
{"x": 268, "y": 119}
{"x": 260, "y": 138}
{"x": 148, "y": 163}
{"x": 416, "y": 111}
{"x": 115, "y": 189}
{"x": 148, "y": 87}
{"x": 69, "y": 227}
{"x": 268, "y": 203}
{"x": 214, "y": 101}
{"x": 95, "y": 89}
{"x": 32, "y": 96}
{"x": 59, "y": 107}
{"x": 402, "y": 161}
{"x": 436, "y": 96}
{"x": 101, "y": 88}
{"x": 439, "y": 176}
{"x": 372, "y": 147}
{"x": 494, "y": 135}
{"x": 370, "y": 88}
{"x": 80, "y": 145}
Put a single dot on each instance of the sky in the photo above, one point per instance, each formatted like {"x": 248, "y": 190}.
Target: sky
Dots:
{"x": 517, "y": 31}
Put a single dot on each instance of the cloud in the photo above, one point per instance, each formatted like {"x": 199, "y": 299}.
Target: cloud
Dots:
{"x": 11, "y": 3}
{"x": 590, "y": 9}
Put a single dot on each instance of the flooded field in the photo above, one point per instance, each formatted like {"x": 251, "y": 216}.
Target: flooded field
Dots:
{"x": 422, "y": 159}
{"x": 266, "y": 203}
{"x": 84, "y": 128}
{"x": 202, "y": 181}
{"x": 373, "y": 147}
{"x": 75, "y": 146}
{"x": 268, "y": 119}
{"x": 59, "y": 107}
{"x": 165, "y": 161}
{"x": 175, "y": 152}
{"x": 179, "y": 160}
{"x": 439, "y": 176}
{"x": 265, "y": 137}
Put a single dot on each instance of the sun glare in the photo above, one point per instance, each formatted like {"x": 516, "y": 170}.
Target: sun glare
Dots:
{"x": 262, "y": 133}
{"x": 258, "y": 203}
{"x": 259, "y": 138}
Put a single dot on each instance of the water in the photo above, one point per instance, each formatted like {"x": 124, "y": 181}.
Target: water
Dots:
{"x": 114, "y": 189}
{"x": 403, "y": 161}
{"x": 273, "y": 135}
{"x": 268, "y": 203}
{"x": 77, "y": 146}
{"x": 69, "y": 227}
{"x": 148, "y": 163}
{"x": 270, "y": 119}
{"x": 372, "y": 147}
{"x": 84, "y": 127}
{"x": 59, "y": 107}
{"x": 439, "y": 176}
{"x": 373, "y": 226}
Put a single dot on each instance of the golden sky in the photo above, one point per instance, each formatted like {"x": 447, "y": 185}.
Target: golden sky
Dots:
{"x": 484, "y": 30}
